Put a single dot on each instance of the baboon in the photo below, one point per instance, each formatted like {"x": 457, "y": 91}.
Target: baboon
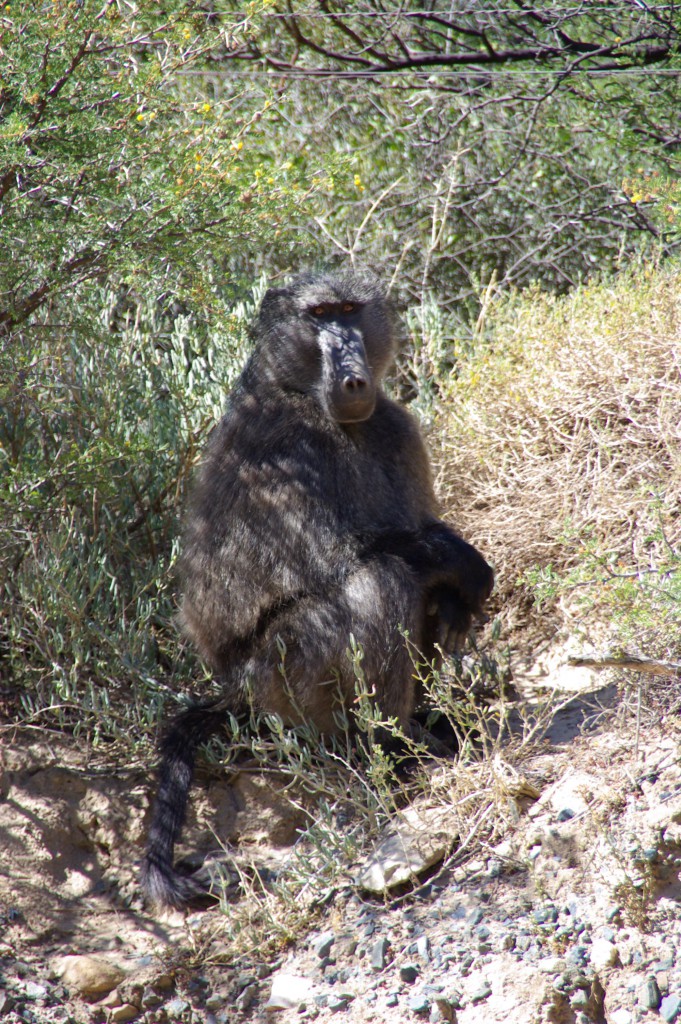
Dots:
{"x": 313, "y": 518}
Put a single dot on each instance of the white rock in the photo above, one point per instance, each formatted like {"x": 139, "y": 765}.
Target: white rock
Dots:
{"x": 551, "y": 965}
{"x": 89, "y": 976}
{"x": 123, "y": 1013}
{"x": 604, "y": 954}
{"x": 665, "y": 813}
{"x": 288, "y": 991}
{"x": 573, "y": 792}
{"x": 621, "y": 1017}
{"x": 422, "y": 837}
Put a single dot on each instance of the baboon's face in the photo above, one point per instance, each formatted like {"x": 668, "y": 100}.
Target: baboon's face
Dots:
{"x": 331, "y": 338}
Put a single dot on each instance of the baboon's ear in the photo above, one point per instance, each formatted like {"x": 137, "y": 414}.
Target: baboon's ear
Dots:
{"x": 273, "y": 303}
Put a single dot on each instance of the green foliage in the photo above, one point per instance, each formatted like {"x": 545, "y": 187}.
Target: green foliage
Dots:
{"x": 566, "y": 422}
{"x": 114, "y": 152}
{"x": 662, "y": 196}
{"x": 638, "y": 597}
{"x": 97, "y": 440}
{"x": 489, "y": 141}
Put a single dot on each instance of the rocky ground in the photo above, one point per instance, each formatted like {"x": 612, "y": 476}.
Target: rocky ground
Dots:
{"x": 573, "y": 917}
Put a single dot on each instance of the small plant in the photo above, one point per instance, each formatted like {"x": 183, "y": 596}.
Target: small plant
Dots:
{"x": 97, "y": 442}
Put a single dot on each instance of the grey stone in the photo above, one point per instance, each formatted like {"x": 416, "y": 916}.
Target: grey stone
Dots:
{"x": 649, "y": 995}
{"x": 244, "y": 979}
{"x": 482, "y": 993}
{"x": 419, "y": 1003}
{"x": 670, "y": 1007}
{"x": 338, "y": 1002}
{"x": 409, "y": 973}
{"x": 176, "y": 1007}
{"x": 379, "y": 952}
{"x": 214, "y": 1002}
{"x": 545, "y": 915}
{"x": 151, "y": 999}
{"x": 122, "y": 1014}
{"x": 247, "y": 998}
{"x": 33, "y": 990}
{"x": 477, "y": 916}
{"x": 579, "y": 1000}
{"x": 323, "y": 944}
{"x": 348, "y": 945}
{"x": 494, "y": 868}
{"x": 442, "y": 1010}
{"x": 391, "y": 999}
{"x": 423, "y": 947}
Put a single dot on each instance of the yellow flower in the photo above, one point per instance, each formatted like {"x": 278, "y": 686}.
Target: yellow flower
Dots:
{"x": 206, "y": 108}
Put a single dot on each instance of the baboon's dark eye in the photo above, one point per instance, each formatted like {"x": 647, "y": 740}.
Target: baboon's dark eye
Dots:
{"x": 348, "y": 307}
{"x": 318, "y": 311}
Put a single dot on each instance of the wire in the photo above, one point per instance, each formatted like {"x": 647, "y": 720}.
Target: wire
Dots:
{"x": 482, "y": 72}
{"x": 580, "y": 9}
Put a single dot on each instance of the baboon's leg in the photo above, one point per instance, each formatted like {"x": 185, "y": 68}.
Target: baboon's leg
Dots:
{"x": 375, "y": 604}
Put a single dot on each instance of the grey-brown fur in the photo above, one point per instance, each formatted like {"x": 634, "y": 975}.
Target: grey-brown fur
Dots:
{"x": 313, "y": 518}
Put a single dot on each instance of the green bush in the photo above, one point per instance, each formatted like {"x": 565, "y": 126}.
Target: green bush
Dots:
{"x": 97, "y": 441}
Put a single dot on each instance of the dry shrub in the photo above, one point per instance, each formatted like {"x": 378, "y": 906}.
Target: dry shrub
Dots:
{"x": 559, "y": 444}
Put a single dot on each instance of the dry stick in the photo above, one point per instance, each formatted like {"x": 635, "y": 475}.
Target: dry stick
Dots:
{"x": 629, "y": 661}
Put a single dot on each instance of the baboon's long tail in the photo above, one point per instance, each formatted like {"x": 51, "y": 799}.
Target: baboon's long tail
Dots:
{"x": 161, "y": 882}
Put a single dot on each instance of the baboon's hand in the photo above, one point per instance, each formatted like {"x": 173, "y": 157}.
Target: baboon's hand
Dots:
{"x": 458, "y": 571}
{"x": 453, "y": 618}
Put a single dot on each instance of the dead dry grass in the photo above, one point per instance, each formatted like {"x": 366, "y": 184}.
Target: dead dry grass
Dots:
{"x": 559, "y": 444}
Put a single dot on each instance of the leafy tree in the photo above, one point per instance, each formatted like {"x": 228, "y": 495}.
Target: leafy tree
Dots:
{"x": 483, "y": 139}
{"x": 123, "y": 181}
{"x": 114, "y": 159}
